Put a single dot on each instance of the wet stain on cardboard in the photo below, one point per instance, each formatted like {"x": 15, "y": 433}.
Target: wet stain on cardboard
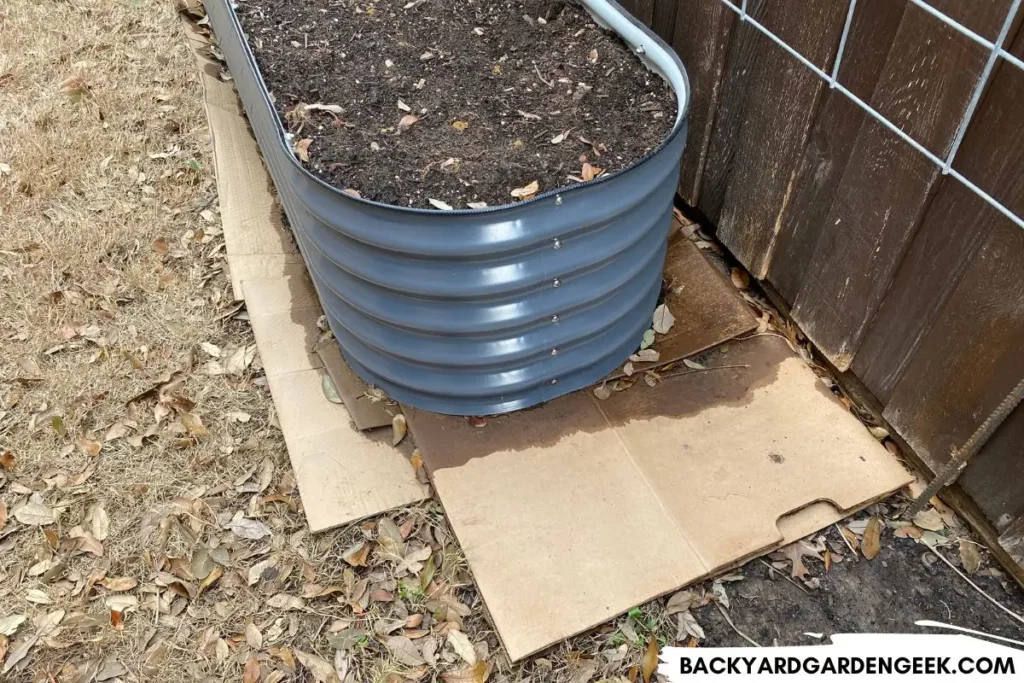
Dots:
{"x": 448, "y": 442}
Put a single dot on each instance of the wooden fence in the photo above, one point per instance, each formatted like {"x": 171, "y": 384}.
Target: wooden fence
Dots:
{"x": 904, "y": 278}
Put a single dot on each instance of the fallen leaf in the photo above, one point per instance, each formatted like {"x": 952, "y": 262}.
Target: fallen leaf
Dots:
{"x": 650, "y": 660}
{"x": 3, "y": 514}
{"x": 603, "y": 392}
{"x": 357, "y": 554}
{"x": 118, "y": 584}
{"x": 663, "y": 319}
{"x": 89, "y": 447}
{"x": 970, "y": 558}
{"x": 527, "y": 191}
{"x": 9, "y": 624}
{"x": 7, "y": 459}
{"x": 740, "y": 278}
{"x": 407, "y": 121}
{"x": 404, "y": 650}
{"x": 100, "y": 522}
{"x": 592, "y": 56}
{"x": 34, "y": 514}
{"x": 648, "y": 339}
{"x": 250, "y": 528}
{"x": 403, "y": 106}
{"x": 646, "y": 356}
{"x": 794, "y": 553}
{"x": 398, "y": 429}
{"x": 332, "y": 108}
{"x": 210, "y": 579}
{"x": 302, "y": 149}
{"x": 321, "y": 670}
{"x": 560, "y": 138}
{"x": 590, "y": 172}
{"x": 871, "y": 544}
{"x": 929, "y": 520}
{"x": 253, "y": 636}
{"x": 86, "y": 541}
{"x": 460, "y": 125}
{"x": 477, "y": 205}
{"x": 286, "y": 602}
{"x": 693, "y": 365}
{"x": 38, "y": 597}
{"x": 438, "y": 204}
{"x": 252, "y": 671}
{"x": 463, "y": 646}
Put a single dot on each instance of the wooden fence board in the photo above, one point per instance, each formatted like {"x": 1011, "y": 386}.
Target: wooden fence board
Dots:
{"x": 995, "y": 478}
{"x": 644, "y": 11}
{"x": 971, "y": 357}
{"x": 703, "y": 31}
{"x": 885, "y": 189}
{"x": 874, "y": 27}
{"x": 665, "y": 19}
{"x": 768, "y": 105}
{"x": 956, "y": 224}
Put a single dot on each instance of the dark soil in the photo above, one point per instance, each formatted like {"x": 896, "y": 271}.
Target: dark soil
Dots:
{"x": 492, "y": 83}
{"x": 901, "y": 586}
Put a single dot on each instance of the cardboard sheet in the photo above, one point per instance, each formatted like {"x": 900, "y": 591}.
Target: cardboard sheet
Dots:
{"x": 353, "y": 391}
{"x": 574, "y": 512}
{"x": 343, "y": 475}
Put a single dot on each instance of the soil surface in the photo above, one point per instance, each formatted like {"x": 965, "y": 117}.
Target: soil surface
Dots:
{"x": 457, "y": 101}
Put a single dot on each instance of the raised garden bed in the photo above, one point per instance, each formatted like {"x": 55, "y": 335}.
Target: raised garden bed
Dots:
{"x": 486, "y": 310}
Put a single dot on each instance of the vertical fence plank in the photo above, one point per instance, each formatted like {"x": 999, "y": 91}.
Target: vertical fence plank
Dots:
{"x": 665, "y": 19}
{"x": 885, "y": 188}
{"x": 768, "y": 105}
{"x": 644, "y": 11}
{"x": 703, "y": 31}
{"x": 971, "y": 357}
{"x": 874, "y": 27}
{"x": 951, "y": 232}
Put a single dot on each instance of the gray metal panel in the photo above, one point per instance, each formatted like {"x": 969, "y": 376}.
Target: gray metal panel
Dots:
{"x": 479, "y": 312}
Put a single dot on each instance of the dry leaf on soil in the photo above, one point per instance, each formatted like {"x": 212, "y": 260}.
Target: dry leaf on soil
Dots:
{"x": 404, "y": 650}
{"x": 970, "y": 558}
{"x": 302, "y": 149}
{"x": 929, "y": 520}
{"x": 795, "y": 552}
{"x": 871, "y": 544}
{"x": 463, "y": 647}
{"x": 527, "y": 191}
{"x": 650, "y": 660}
{"x": 321, "y": 670}
{"x": 34, "y": 514}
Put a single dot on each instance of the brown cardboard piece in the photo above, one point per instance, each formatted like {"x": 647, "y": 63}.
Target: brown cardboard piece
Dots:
{"x": 343, "y": 474}
{"x": 353, "y": 391}
{"x": 574, "y": 512}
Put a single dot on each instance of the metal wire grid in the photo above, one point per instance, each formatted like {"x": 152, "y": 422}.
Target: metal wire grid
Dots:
{"x": 996, "y": 52}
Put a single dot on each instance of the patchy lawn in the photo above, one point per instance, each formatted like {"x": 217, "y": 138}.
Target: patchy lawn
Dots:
{"x": 150, "y": 527}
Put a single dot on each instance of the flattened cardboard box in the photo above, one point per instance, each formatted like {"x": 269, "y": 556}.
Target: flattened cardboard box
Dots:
{"x": 343, "y": 475}
{"x": 573, "y": 513}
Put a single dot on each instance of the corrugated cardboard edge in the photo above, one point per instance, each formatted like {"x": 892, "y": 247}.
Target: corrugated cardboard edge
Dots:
{"x": 343, "y": 475}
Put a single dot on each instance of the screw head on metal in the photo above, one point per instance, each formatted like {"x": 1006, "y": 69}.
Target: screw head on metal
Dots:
{"x": 556, "y": 283}
{"x": 554, "y": 352}
{"x": 557, "y": 243}
{"x": 558, "y": 200}
{"x": 641, "y": 50}
{"x": 554, "y": 381}
{"x": 554, "y": 318}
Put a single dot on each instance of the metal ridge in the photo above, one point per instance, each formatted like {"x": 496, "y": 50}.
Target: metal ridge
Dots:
{"x": 480, "y": 311}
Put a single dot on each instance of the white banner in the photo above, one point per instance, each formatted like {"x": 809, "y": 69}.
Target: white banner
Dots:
{"x": 853, "y": 657}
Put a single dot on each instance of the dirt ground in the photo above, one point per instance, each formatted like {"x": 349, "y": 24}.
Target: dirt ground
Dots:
{"x": 453, "y": 101}
{"x": 150, "y": 528}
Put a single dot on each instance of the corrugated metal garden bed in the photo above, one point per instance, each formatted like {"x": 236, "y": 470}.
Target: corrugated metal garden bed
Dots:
{"x": 490, "y": 310}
